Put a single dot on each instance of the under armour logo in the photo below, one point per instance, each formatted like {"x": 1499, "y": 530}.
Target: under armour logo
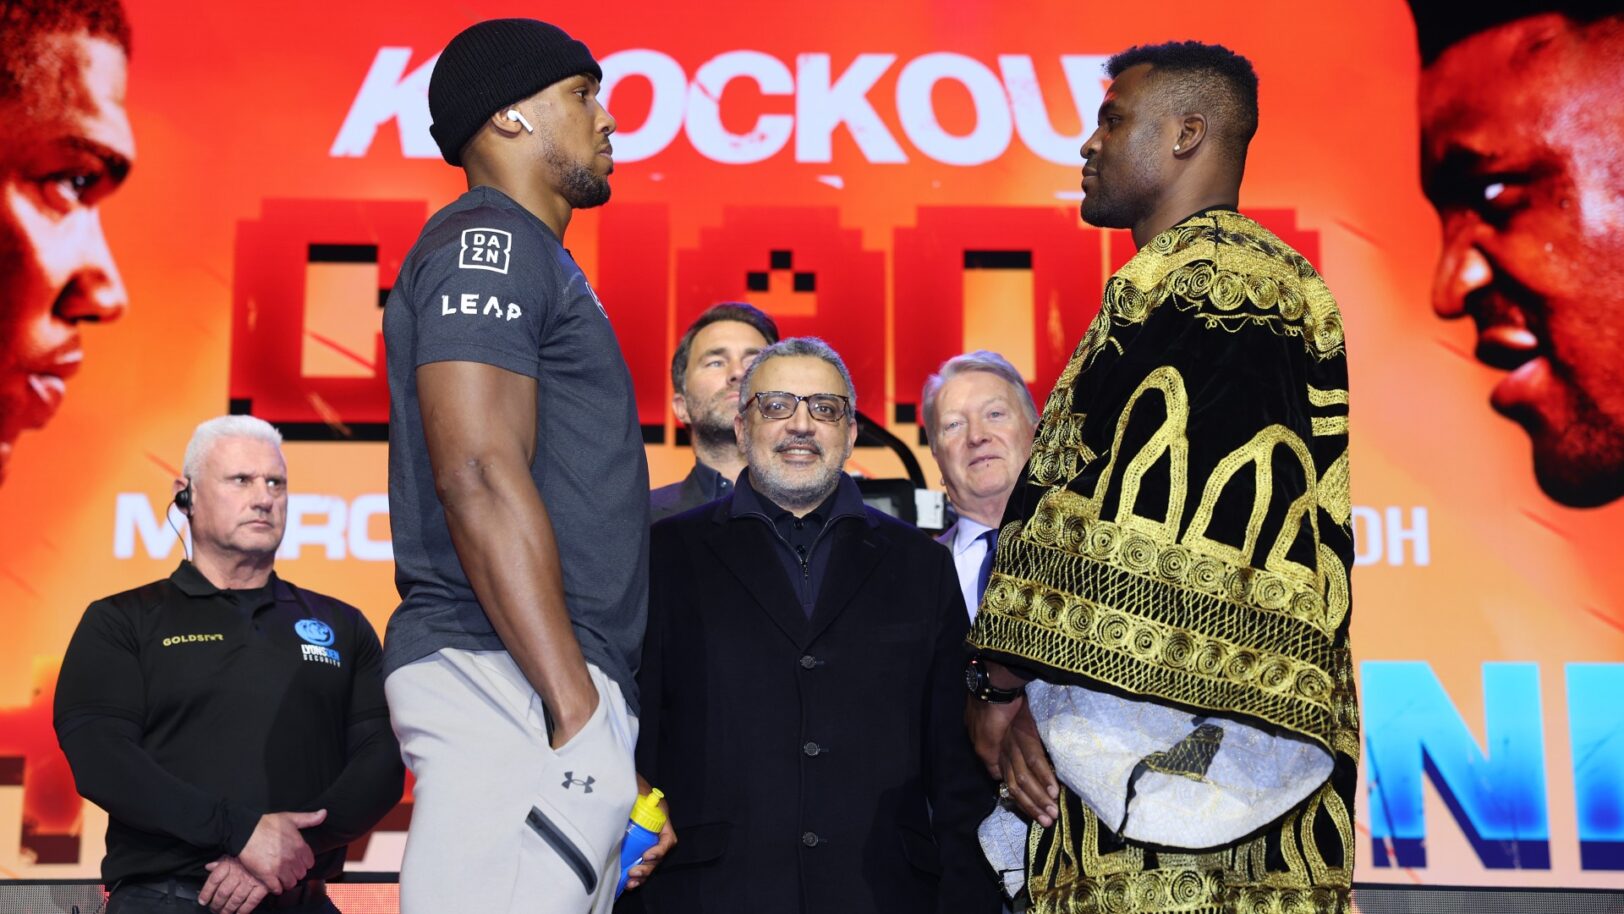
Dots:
{"x": 570, "y": 778}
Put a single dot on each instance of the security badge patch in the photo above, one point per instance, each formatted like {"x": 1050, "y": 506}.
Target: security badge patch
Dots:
{"x": 319, "y": 638}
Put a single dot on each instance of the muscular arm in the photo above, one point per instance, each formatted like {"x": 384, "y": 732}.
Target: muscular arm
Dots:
{"x": 480, "y": 422}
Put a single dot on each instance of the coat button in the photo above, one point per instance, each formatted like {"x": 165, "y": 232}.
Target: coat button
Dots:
{"x": 811, "y": 749}
{"x": 808, "y": 662}
{"x": 810, "y": 839}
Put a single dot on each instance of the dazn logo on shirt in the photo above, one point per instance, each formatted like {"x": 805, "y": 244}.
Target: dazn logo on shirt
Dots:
{"x": 486, "y": 249}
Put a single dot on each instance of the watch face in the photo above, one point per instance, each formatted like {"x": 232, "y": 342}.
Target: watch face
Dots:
{"x": 972, "y": 678}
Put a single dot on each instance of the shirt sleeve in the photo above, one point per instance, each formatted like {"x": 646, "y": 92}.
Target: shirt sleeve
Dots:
{"x": 373, "y": 777}
{"x": 98, "y": 715}
{"x": 485, "y": 293}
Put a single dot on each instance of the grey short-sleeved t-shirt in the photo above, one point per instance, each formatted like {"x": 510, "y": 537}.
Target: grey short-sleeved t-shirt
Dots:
{"x": 489, "y": 282}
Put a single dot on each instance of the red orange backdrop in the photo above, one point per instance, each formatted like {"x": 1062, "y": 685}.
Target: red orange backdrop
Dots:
{"x": 840, "y": 163}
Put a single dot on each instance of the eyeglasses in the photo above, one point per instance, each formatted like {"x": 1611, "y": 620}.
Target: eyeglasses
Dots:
{"x": 779, "y": 404}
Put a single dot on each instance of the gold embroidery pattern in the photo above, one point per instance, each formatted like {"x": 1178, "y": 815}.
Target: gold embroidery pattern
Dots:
{"x": 1123, "y": 572}
{"x": 1144, "y": 657}
{"x": 1058, "y": 451}
{"x": 1326, "y": 426}
{"x": 1191, "y": 756}
{"x": 1336, "y": 492}
{"x": 1234, "y": 880}
{"x": 1345, "y": 705}
{"x": 1324, "y": 398}
{"x": 1186, "y": 618}
{"x": 1193, "y": 572}
{"x": 1231, "y": 272}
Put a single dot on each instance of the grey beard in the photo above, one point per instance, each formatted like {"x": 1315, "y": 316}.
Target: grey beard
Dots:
{"x": 791, "y": 497}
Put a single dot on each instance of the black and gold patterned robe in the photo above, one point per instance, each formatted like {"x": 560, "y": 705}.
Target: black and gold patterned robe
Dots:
{"x": 1182, "y": 534}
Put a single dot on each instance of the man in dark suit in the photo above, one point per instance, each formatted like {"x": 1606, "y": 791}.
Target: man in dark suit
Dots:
{"x": 802, "y": 681}
{"x": 979, "y": 418}
{"x": 709, "y": 363}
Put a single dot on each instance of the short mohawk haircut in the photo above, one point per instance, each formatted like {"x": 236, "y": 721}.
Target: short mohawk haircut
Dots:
{"x": 1208, "y": 78}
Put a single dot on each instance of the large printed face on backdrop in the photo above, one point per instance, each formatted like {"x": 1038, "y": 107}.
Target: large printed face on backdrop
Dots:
{"x": 1521, "y": 127}
{"x": 572, "y": 133}
{"x": 65, "y": 144}
{"x": 717, "y": 359}
{"x": 796, "y": 462}
{"x": 1121, "y": 177}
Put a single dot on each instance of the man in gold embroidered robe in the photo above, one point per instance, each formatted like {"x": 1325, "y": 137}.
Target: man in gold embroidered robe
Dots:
{"x": 1171, "y": 586}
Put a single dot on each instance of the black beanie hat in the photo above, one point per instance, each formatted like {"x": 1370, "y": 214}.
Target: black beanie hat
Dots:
{"x": 492, "y": 64}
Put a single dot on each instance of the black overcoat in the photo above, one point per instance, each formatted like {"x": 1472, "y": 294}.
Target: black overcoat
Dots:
{"x": 813, "y": 766}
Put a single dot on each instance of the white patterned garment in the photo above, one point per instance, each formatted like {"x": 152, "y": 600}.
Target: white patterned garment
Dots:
{"x": 1096, "y": 740}
{"x": 1003, "y": 841}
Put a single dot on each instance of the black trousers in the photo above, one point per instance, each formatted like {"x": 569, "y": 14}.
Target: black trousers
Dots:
{"x": 157, "y": 899}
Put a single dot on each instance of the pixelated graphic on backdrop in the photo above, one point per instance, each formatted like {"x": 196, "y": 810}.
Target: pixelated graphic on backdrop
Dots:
{"x": 901, "y": 179}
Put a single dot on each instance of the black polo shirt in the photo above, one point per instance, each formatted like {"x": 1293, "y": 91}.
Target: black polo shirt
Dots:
{"x": 187, "y": 712}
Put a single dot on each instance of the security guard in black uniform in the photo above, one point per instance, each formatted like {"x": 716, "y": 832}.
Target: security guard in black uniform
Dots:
{"x": 232, "y": 725}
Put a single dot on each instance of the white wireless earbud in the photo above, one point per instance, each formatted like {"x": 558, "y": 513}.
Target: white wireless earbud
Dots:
{"x": 514, "y": 115}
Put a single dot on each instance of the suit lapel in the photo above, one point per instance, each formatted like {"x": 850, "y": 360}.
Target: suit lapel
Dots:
{"x": 746, "y": 548}
{"x": 853, "y": 556}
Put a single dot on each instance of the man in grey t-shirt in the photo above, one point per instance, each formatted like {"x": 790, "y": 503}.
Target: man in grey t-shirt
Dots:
{"x": 517, "y": 490}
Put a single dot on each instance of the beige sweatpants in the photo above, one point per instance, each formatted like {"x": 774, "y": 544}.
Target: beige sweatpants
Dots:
{"x": 502, "y": 822}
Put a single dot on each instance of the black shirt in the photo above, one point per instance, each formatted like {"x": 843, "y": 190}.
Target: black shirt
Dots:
{"x": 801, "y": 544}
{"x": 489, "y": 282}
{"x": 187, "y": 712}
{"x": 701, "y": 486}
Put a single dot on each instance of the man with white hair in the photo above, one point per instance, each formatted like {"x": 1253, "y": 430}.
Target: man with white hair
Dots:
{"x": 979, "y": 418}
{"x": 232, "y": 725}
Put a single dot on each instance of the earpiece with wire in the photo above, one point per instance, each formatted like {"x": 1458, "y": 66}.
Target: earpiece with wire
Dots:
{"x": 183, "y": 501}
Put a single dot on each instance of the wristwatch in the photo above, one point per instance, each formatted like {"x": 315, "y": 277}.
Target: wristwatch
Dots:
{"x": 980, "y": 684}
